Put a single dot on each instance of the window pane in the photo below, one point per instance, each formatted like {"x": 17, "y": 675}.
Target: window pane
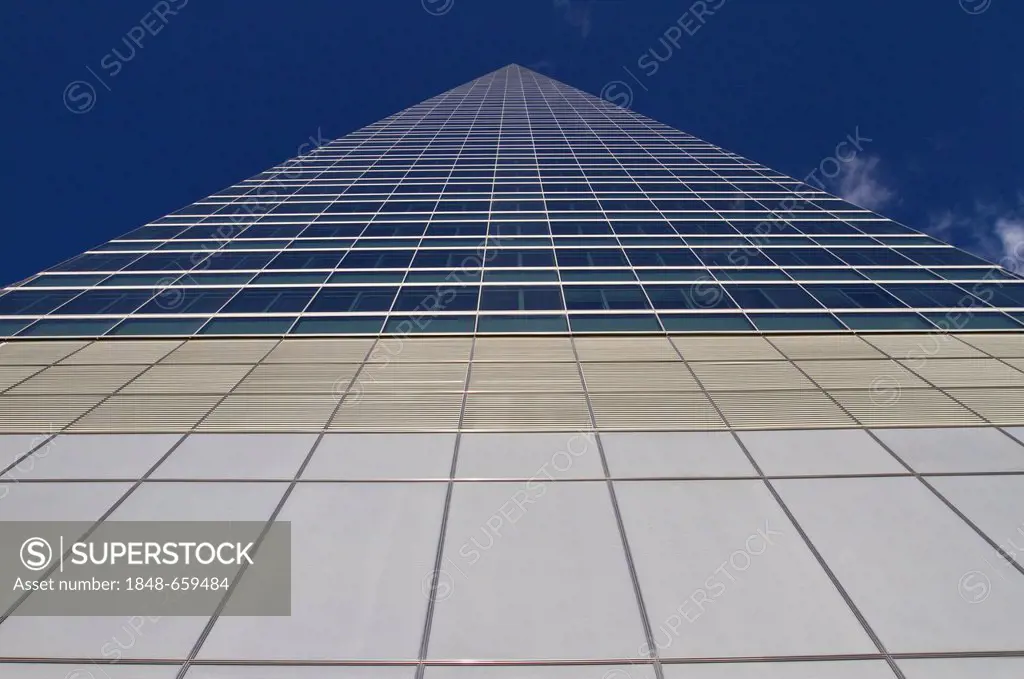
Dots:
{"x": 522, "y": 298}
{"x": 270, "y": 300}
{"x": 353, "y": 299}
{"x": 771, "y": 297}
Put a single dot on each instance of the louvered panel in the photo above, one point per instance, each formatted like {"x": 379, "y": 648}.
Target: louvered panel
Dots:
{"x": 525, "y": 377}
{"x": 824, "y": 346}
{"x": 188, "y": 379}
{"x": 216, "y": 351}
{"x": 723, "y": 348}
{"x": 527, "y": 412}
{"x": 320, "y": 351}
{"x": 923, "y": 345}
{"x": 780, "y": 410}
{"x": 1017, "y": 363}
{"x": 33, "y": 414}
{"x": 530, "y": 349}
{"x": 79, "y": 379}
{"x": 638, "y": 377}
{"x": 669, "y": 411}
{"x": 421, "y": 349}
{"x": 966, "y": 372}
{"x": 750, "y": 375}
{"x": 11, "y": 375}
{"x": 997, "y": 406}
{"x": 142, "y": 414}
{"x": 866, "y": 374}
{"x": 904, "y": 408}
{"x": 625, "y": 348}
{"x": 415, "y": 377}
{"x": 269, "y": 413}
{"x": 298, "y": 378}
{"x": 107, "y": 352}
{"x": 1002, "y": 345}
{"x": 37, "y": 353}
{"x": 392, "y": 412}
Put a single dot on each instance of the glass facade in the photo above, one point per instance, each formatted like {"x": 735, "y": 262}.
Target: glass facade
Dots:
{"x": 588, "y": 477}
{"x": 515, "y": 204}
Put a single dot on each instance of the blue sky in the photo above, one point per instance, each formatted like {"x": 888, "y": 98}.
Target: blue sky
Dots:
{"x": 120, "y": 114}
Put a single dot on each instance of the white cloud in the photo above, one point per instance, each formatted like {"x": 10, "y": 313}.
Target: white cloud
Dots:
{"x": 994, "y": 231}
{"x": 1011, "y": 233}
{"x": 576, "y": 14}
{"x": 859, "y": 184}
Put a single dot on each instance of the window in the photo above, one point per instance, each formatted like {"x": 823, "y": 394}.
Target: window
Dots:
{"x": 376, "y": 259}
{"x": 353, "y": 299}
{"x": 234, "y": 261}
{"x": 591, "y": 258}
{"x": 871, "y": 257}
{"x": 867, "y": 296}
{"x": 508, "y": 257}
{"x": 704, "y": 294}
{"x": 188, "y": 300}
{"x": 662, "y": 257}
{"x": 932, "y": 295}
{"x": 430, "y": 298}
{"x": 270, "y": 300}
{"x": 106, "y": 302}
{"x": 803, "y": 257}
{"x": 771, "y": 297}
{"x": 948, "y": 256}
{"x": 306, "y": 260}
{"x": 34, "y": 302}
{"x": 521, "y": 298}
{"x": 587, "y": 297}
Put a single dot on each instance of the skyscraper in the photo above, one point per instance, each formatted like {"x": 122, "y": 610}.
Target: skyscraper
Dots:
{"x": 545, "y": 388}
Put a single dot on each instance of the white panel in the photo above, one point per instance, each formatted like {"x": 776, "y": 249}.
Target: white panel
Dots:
{"x": 237, "y": 456}
{"x": 963, "y": 668}
{"x": 564, "y": 455}
{"x": 724, "y": 573}
{"x": 382, "y": 456}
{"x": 98, "y": 456}
{"x": 906, "y": 560}
{"x": 821, "y": 451}
{"x": 865, "y": 669}
{"x": 674, "y": 454}
{"x": 977, "y": 449}
{"x": 360, "y": 554}
{"x": 542, "y": 579}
